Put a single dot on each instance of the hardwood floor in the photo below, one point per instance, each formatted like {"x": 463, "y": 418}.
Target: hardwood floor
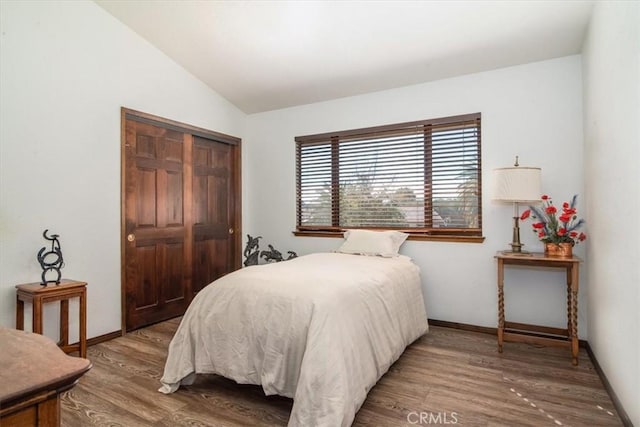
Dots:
{"x": 448, "y": 376}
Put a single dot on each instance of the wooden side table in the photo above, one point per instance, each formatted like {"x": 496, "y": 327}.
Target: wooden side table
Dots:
{"x": 534, "y": 334}
{"x": 39, "y": 295}
{"x": 34, "y": 373}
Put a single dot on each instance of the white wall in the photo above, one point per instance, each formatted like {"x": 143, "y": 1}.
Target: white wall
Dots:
{"x": 66, "y": 69}
{"x": 534, "y": 111}
{"x": 611, "y": 57}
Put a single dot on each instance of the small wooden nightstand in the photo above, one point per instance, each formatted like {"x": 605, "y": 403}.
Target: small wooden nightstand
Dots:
{"x": 534, "y": 334}
{"x": 39, "y": 295}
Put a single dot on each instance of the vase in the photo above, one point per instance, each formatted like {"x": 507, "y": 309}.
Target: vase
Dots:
{"x": 560, "y": 250}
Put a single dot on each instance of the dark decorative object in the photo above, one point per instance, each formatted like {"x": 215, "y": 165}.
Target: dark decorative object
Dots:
{"x": 271, "y": 255}
{"x": 252, "y": 253}
{"x": 252, "y": 250}
{"x": 51, "y": 260}
{"x": 275, "y": 255}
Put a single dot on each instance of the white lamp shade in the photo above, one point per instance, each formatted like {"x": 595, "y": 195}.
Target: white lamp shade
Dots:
{"x": 516, "y": 184}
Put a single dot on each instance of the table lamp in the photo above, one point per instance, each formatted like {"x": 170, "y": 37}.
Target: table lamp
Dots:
{"x": 517, "y": 184}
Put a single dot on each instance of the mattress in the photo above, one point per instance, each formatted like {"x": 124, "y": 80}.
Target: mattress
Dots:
{"x": 321, "y": 329}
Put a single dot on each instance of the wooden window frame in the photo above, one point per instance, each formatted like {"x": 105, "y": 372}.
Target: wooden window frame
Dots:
{"x": 428, "y": 232}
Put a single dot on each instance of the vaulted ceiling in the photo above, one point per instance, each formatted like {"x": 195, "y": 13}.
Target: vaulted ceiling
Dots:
{"x": 266, "y": 55}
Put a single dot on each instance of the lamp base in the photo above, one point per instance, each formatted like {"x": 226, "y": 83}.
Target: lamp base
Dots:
{"x": 512, "y": 253}
{"x": 516, "y": 246}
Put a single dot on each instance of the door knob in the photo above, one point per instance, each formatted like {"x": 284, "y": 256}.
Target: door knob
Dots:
{"x": 231, "y": 231}
{"x": 131, "y": 237}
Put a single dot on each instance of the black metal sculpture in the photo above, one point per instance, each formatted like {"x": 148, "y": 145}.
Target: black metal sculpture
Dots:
{"x": 274, "y": 255}
{"x": 51, "y": 261}
{"x": 252, "y": 250}
{"x": 252, "y": 253}
{"x": 271, "y": 255}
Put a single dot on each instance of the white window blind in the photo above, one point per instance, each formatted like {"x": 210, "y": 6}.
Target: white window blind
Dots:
{"x": 420, "y": 177}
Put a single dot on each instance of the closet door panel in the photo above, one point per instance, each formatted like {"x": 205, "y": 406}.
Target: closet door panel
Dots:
{"x": 180, "y": 215}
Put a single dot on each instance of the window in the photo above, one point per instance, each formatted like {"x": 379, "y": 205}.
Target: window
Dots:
{"x": 423, "y": 178}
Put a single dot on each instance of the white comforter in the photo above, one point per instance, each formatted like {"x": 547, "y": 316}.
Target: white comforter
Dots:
{"x": 321, "y": 329}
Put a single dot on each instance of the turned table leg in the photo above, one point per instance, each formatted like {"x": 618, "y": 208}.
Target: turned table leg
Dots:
{"x": 574, "y": 314}
{"x": 569, "y": 325}
{"x": 500, "y": 305}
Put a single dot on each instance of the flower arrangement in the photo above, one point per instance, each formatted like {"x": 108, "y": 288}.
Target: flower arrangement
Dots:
{"x": 554, "y": 226}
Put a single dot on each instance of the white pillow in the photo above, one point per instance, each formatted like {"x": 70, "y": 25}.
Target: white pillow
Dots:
{"x": 377, "y": 243}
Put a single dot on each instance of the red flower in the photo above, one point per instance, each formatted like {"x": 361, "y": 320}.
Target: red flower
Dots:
{"x": 555, "y": 224}
{"x": 565, "y": 218}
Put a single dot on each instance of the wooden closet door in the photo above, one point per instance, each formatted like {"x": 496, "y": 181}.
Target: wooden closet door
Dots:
{"x": 213, "y": 201}
{"x": 158, "y": 251}
{"x": 181, "y": 215}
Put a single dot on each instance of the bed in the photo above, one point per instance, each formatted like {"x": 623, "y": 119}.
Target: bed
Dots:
{"x": 321, "y": 329}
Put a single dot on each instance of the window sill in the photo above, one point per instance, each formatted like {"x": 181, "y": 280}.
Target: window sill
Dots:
{"x": 415, "y": 236}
